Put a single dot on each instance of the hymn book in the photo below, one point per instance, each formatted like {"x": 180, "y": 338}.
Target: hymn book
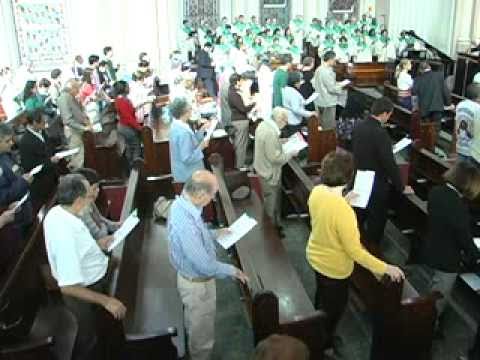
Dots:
{"x": 126, "y": 228}
{"x": 64, "y": 154}
{"x": 362, "y": 188}
{"x": 294, "y": 144}
{"x": 237, "y": 230}
{"x": 402, "y": 144}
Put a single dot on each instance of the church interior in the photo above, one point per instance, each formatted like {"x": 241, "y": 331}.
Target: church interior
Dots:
{"x": 240, "y": 179}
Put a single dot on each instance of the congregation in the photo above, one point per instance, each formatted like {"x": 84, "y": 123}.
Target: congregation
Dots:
{"x": 256, "y": 86}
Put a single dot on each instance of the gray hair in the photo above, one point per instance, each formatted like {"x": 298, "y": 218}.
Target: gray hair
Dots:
{"x": 195, "y": 186}
{"x": 70, "y": 188}
{"x": 5, "y": 130}
{"x": 179, "y": 107}
{"x": 70, "y": 84}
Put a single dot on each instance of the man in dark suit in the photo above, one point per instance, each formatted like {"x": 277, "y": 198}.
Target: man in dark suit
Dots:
{"x": 432, "y": 93}
{"x": 206, "y": 70}
{"x": 36, "y": 149}
{"x": 372, "y": 150}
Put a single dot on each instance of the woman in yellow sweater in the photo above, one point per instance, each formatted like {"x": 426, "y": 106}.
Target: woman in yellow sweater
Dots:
{"x": 334, "y": 244}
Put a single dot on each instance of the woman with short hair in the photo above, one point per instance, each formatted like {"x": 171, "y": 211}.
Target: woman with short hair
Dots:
{"x": 334, "y": 245}
{"x": 295, "y": 104}
{"x": 98, "y": 225}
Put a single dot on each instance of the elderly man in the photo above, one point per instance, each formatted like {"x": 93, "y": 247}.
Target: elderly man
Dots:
{"x": 192, "y": 253}
{"x": 80, "y": 268}
{"x": 75, "y": 120}
{"x": 268, "y": 160}
{"x": 324, "y": 82}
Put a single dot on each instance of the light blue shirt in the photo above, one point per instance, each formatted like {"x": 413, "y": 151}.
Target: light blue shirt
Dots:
{"x": 192, "y": 244}
{"x": 185, "y": 154}
{"x": 294, "y": 102}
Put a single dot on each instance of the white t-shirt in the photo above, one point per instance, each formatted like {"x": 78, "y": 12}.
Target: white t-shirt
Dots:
{"x": 73, "y": 254}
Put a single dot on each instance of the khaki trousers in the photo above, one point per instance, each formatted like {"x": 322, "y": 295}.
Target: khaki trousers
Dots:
{"x": 240, "y": 142}
{"x": 199, "y": 304}
{"x": 327, "y": 117}
{"x": 74, "y": 140}
{"x": 271, "y": 200}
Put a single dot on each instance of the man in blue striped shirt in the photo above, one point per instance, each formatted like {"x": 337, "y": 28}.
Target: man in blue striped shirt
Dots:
{"x": 192, "y": 253}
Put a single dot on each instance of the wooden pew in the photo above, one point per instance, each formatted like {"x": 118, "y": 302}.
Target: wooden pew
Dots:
{"x": 320, "y": 142}
{"x": 31, "y": 327}
{"x": 275, "y": 298}
{"x": 144, "y": 281}
{"x": 157, "y": 154}
{"x": 398, "y": 307}
{"x": 365, "y": 74}
{"x": 104, "y": 159}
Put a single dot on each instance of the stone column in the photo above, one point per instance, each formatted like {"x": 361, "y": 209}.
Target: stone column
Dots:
{"x": 463, "y": 25}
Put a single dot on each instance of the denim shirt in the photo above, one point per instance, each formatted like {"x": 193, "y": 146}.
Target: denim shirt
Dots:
{"x": 185, "y": 154}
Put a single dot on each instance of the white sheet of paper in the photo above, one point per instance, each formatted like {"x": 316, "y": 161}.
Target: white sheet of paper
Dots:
{"x": 312, "y": 98}
{"x": 211, "y": 129}
{"x": 238, "y": 229}
{"x": 22, "y": 200}
{"x": 477, "y": 242}
{"x": 295, "y": 143}
{"x": 36, "y": 170}
{"x": 219, "y": 133}
{"x": 344, "y": 82}
{"x": 97, "y": 127}
{"x": 63, "y": 154}
{"x": 472, "y": 280}
{"x": 402, "y": 144}
{"x": 128, "y": 225}
{"x": 363, "y": 188}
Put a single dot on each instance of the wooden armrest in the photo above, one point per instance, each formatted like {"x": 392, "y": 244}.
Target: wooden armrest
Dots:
{"x": 418, "y": 299}
{"x": 28, "y": 345}
{"x": 171, "y": 331}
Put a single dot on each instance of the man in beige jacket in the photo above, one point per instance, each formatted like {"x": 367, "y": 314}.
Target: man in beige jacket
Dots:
{"x": 269, "y": 158}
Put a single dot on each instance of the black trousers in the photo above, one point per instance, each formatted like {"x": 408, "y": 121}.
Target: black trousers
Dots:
{"x": 373, "y": 219}
{"x": 331, "y": 296}
{"x": 99, "y": 335}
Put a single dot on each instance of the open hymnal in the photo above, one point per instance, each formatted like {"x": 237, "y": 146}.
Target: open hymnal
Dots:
{"x": 63, "y": 154}
{"x": 237, "y": 230}
{"x": 472, "y": 280}
{"x": 211, "y": 129}
{"x": 362, "y": 188}
{"x": 477, "y": 242}
{"x": 36, "y": 170}
{"x": 22, "y": 201}
{"x": 294, "y": 144}
{"x": 128, "y": 225}
{"x": 402, "y": 144}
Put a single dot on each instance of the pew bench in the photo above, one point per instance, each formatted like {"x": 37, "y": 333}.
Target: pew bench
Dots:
{"x": 275, "y": 298}
{"x": 103, "y": 156}
{"x": 145, "y": 281}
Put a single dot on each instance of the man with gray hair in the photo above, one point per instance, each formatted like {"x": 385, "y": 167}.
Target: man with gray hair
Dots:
{"x": 80, "y": 267}
{"x": 192, "y": 254}
{"x": 268, "y": 160}
{"x": 75, "y": 120}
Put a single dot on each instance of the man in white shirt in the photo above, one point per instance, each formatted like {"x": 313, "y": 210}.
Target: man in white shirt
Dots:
{"x": 79, "y": 265}
{"x": 467, "y": 125}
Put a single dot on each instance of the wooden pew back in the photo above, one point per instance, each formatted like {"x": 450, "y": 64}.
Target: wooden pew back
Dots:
{"x": 104, "y": 159}
{"x": 320, "y": 142}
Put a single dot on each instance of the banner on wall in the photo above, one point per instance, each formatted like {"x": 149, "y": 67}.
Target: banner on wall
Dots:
{"x": 41, "y": 33}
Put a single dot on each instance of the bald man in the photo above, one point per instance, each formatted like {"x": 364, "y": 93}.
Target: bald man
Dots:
{"x": 281, "y": 347}
{"x": 192, "y": 254}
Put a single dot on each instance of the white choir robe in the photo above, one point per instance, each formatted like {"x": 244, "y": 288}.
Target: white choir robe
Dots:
{"x": 265, "y": 89}
{"x": 385, "y": 53}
